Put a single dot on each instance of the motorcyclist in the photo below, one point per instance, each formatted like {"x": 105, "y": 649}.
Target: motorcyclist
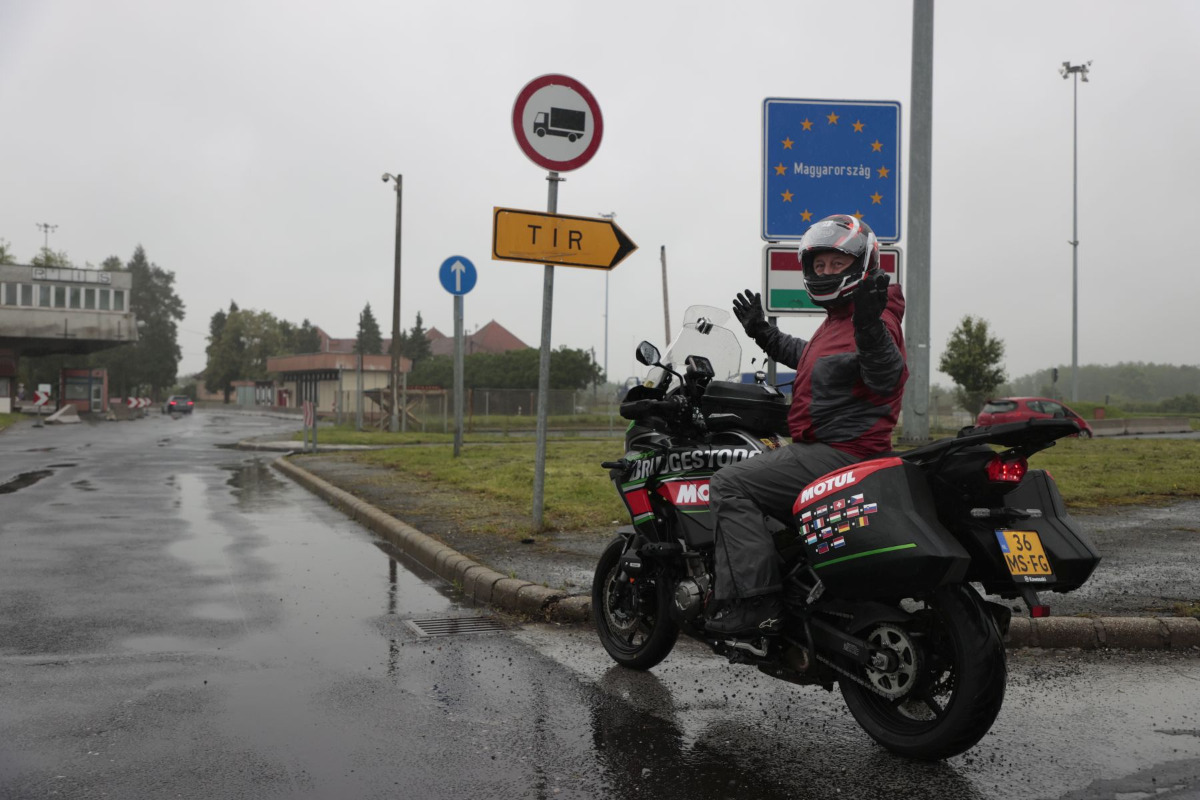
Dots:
{"x": 845, "y": 402}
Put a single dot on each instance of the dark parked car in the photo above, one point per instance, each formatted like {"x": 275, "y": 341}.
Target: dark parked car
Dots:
{"x": 178, "y": 404}
{"x": 1016, "y": 409}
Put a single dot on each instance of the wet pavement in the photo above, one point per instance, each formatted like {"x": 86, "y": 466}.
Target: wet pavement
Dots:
{"x": 177, "y": 619}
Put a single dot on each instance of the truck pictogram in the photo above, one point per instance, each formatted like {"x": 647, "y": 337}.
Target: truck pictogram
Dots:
{"x": 560, "y": 122}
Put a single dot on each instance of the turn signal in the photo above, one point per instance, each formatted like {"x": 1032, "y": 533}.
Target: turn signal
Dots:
{"x": 1011, "y": 471}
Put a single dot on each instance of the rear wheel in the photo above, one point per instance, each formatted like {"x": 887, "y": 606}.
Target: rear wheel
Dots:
{"x": 632, "y": 618}
{"x": 948, "y": 687}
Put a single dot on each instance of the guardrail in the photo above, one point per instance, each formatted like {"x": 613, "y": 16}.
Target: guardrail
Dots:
{"x": 1140, "y": 425}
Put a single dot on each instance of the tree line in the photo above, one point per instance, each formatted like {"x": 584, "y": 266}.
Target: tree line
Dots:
{"x": 973, "y": 357}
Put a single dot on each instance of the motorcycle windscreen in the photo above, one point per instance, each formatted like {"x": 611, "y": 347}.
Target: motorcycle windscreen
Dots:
{"x": 871, "y": 532}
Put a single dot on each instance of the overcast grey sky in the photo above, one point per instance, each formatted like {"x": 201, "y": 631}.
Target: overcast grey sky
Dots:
{"x": 242, "y": 143}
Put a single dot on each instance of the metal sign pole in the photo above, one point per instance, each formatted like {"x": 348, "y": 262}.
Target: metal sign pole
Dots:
{"x": 543, "y": 393}
{"x": 458, "y": 373}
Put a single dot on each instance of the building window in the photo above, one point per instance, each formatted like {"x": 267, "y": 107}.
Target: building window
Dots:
{"x": 60, "y": 297}
{"x": 9, "y": 296}
{"x": 44, "y": 293}
{"x": 89, "y": 298}
{"x": 118, "y": 299}
{"x": 104, "y": 300}
{"x": 76, "y": 297}
{"x": 26, "y": 294}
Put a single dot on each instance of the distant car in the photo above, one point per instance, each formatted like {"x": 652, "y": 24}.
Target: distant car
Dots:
{"x": 1017, "y": 409}
{"x": 178, "y": 404}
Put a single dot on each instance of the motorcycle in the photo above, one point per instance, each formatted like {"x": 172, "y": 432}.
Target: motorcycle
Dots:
{"x": 880, "y": 558}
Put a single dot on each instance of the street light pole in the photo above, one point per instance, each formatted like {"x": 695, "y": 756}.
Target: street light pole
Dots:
{"x": 1078, "y": 71}
{"x": 395, "y": 378}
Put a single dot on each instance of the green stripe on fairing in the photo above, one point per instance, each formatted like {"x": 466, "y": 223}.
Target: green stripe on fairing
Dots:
{"x": 830, "y": 563}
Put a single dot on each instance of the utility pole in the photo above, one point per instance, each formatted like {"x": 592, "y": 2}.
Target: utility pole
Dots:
{"x": 612, "y": 215}
{"x": 915, "y": 410}
{"x": 46, "y": 228}
{"x": 1079, "y": 71}
{"x": 395, "y": 348}
{"x": 662, "y": 255}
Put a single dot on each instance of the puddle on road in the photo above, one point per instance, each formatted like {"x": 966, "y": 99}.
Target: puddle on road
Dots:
{"x": 24, "y": 480}
{"x": 255, "y": 485}
{"x": 85, "y": 486}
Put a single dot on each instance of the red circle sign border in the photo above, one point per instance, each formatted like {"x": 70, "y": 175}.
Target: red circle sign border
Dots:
{"x": 523, "y": 141}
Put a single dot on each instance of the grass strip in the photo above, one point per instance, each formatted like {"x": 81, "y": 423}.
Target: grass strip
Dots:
{"x": 1095, "y": 474}
{"x": 1091, "y": 474}
{"x": 578, "y": 493}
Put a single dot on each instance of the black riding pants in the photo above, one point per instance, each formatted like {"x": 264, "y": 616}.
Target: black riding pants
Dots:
{"x": 741, "y": 494}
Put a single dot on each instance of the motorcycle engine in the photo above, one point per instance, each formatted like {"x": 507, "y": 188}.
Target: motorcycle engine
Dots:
{"x": 689, "y": 597}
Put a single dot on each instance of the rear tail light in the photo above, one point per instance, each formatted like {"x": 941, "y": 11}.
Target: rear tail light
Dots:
{"x": 1010, "y": 470}
{"x": 1039, "y": 612}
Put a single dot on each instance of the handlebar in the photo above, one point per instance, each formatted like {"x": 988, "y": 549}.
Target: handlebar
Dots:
{"x": 636, "y": 409}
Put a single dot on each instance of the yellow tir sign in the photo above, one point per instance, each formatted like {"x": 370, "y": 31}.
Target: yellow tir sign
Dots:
{"x": 558, "y": 239}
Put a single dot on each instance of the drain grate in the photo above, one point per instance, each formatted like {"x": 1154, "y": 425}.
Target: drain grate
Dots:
{"x": 454, "y": 626}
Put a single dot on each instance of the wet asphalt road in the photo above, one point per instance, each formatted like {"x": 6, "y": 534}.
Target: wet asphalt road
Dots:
{"x": 178, "y": 620}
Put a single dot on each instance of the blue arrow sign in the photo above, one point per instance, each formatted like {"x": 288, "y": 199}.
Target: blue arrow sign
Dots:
{"x": 457, "y": 275}
{"x": 823, "y": 157}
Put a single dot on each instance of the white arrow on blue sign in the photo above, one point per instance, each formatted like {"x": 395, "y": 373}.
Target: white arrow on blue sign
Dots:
{"x": 457, "y": 275}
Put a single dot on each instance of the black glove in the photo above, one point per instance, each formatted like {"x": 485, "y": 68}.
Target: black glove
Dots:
{"x": 870, "y": 298}
{"x": 747, "y": 307}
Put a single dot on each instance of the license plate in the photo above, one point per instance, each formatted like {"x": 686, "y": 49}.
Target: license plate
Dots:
{"x": 1024, "y": 555}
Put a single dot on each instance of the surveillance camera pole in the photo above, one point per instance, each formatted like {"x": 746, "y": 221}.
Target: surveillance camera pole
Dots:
{"x": 1077, "y": 71}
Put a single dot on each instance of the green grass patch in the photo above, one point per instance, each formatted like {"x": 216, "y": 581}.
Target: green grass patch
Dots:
{"x": 578, "y": 493}
{"x": 8, "y": 419}
{"x": 1187, "y": 609}
{"x": 346, "y": 434}
{"x": 1093, "y": 474}
{"x": 496, "y": 480}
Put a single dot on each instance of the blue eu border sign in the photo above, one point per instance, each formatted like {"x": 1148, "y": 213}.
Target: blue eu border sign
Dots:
{"x": 823, "y": 157}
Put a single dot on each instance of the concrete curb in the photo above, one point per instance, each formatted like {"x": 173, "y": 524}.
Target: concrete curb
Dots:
{"x": 485, "y": 585}
{"x": 1113, "y": 633}
{"x": 478, "y": 581}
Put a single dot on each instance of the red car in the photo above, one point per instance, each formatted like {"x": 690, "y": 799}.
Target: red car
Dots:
{"x": 1016, "y": 409}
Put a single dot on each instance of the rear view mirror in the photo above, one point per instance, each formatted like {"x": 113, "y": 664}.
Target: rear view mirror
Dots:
{"x": 647, "y": 354}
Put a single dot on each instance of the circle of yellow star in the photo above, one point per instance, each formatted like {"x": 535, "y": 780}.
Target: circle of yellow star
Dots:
{"x": 876, "y": 146}
{"x": 883, "y": 172}
{"x": 806, "y": 215}
{"x": 877, "y": 199}
{"x": 780, "y": 169}
{"x": 807, "y": 125}
{"x": 787, "y": 197}
{"x": 787, "y": 143}
{"x": 833, "y": 118}
{"x": 858, "y": 126}
{"x": 857, "y": 215}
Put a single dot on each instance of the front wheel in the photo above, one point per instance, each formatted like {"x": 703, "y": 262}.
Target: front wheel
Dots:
{"x": 948, "y": 687}
{"x": 632, "y": 618}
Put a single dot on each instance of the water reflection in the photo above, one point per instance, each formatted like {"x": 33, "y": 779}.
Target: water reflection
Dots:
{"x": 646, "y": 752}
{"x": 255, "y": 485}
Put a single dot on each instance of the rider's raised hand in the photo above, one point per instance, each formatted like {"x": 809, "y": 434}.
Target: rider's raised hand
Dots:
{"x": 870, "y": 298}
{"x": 747, "y": 307}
